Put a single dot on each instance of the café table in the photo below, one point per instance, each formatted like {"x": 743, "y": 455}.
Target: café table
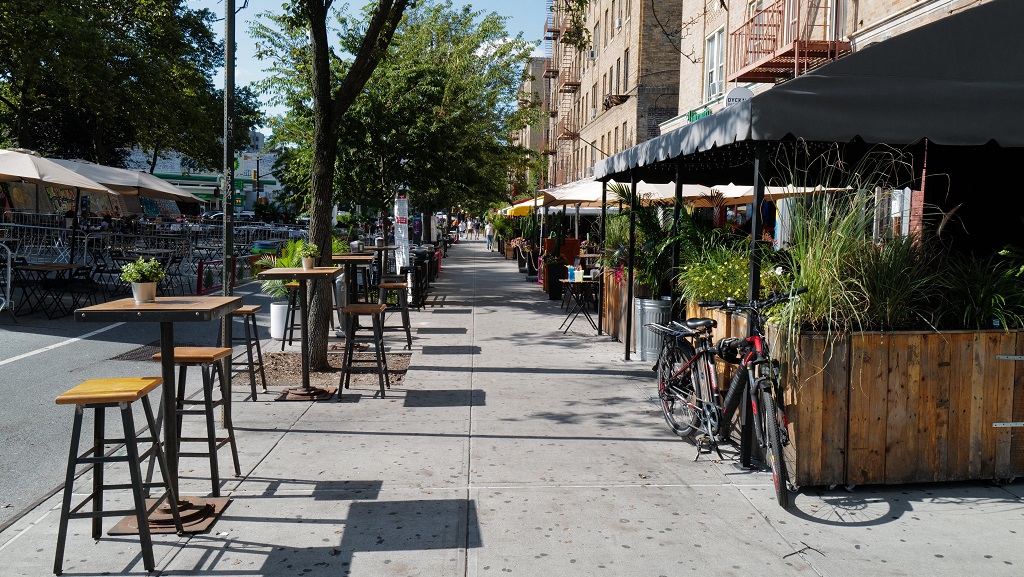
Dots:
{"x": 580, "y": 291}
{"x": 305, "y": 392}
{"x": 351, "y": 260}
{"x": 197, "y": 513}
{"x": 383, "y": 251}
{"x": 47, "y": 286}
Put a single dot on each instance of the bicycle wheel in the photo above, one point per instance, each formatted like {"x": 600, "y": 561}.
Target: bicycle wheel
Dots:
{"x": 676, "y": 389}
{"x": 773, "y": 453}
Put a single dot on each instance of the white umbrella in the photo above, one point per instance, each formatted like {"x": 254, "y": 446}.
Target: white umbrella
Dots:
{"x": 17, "y": 165}
{"x": 128, "y": 181}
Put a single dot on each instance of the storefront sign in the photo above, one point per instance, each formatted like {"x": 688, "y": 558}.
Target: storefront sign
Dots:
{"x": 738, "y": 95}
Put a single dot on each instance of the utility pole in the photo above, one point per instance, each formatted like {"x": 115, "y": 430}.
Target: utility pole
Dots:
{"x": 229, "y": 157}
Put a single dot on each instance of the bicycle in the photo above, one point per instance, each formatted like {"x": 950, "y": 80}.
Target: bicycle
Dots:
{"x": 691, "y": 401}
{"x": 687, "y": 387}
{"x": 758, "y": 376}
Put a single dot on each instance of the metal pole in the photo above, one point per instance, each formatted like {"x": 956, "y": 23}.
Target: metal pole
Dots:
{"x": 677, "y": 210}
{"x": 600, "y": 285}
{"x": 756, "y": 224}
{"x": 632, "y": 248}
{"x": 229, "y": 133}
{"x": 754, "y": 290}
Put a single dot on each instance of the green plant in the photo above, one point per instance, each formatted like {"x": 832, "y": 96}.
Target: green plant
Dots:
{"x": 724, "y": 271}
{"x": 899, "y": 283}
{"x": 289, "y": 258}
{"x": 307, "y": 250}
{"x": 340, "y": 245}
{"x": 983, "y": 294}
{"x": 653, "y": 239}
{"x": 142, "y": 271}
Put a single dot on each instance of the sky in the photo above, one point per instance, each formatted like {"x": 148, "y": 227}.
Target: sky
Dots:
{"x": 526, "y": 16}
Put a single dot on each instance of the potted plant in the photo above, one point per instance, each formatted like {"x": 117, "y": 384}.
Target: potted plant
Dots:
{"x": 289, "y": 258}
{"x": 308, "y": 253}
{"x": 554, "y": 271}
{"x": 143, "y": 275}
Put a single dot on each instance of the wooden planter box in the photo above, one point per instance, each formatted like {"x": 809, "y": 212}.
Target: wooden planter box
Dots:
{"x": 903, "y": 407}
{"x": 615, "y": 308}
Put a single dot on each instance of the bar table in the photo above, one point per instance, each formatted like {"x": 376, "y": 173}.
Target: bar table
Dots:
{"x": 303, "y": 275}
{"x": 197, "y": 513}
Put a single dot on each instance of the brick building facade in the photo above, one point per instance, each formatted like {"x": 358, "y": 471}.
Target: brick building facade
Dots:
{"x": 757, "y": 43}
{"x": 615, "y": 94}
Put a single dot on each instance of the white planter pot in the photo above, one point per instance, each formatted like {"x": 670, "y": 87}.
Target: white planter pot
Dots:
{"x": 144, "y": 292}
{"x": 307, "y": 262}
{"x": 278, "y": 314}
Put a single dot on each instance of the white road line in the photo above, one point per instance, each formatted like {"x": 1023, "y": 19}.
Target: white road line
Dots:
{"x": 58, "y": 345}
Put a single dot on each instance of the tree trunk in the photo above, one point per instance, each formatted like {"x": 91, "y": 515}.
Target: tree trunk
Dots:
{"x": 329, "y": 106}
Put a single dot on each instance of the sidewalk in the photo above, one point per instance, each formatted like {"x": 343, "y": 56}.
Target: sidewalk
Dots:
{"x": 512, "y": 448}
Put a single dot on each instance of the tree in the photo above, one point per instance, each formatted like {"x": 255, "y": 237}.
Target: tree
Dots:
{"x": 438, "y": 127}
{"x": 334, "y": 84}
{"x": 90, "y": 79}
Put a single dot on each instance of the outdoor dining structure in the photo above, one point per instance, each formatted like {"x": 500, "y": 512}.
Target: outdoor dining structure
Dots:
{"x": 947, "y": 99}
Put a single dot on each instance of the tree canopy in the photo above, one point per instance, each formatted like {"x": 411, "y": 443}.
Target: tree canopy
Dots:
{"x": 436, "y": 126}
{"x": 90, "y": 79}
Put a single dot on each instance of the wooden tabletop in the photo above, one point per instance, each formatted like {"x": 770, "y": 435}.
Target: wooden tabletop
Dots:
{"x": 376, "y": 248}
{"x": 166, "y": 309}
{"x": 285, "y": 273}
{"x": 350, "y": 257}
{"x": 586, "y": 280}
{"x": 590, "y": 256}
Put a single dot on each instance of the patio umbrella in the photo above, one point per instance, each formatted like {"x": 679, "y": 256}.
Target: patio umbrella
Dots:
{"x": 18, "y": 165}
{"x": 28, "y": 166}
{"x": 130, "y": 182}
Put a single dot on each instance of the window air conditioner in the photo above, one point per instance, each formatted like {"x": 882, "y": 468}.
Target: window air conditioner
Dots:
{"x": 593, "y": 112}
{"x": 592, "y": 54}
{"x": 618, "y": 23}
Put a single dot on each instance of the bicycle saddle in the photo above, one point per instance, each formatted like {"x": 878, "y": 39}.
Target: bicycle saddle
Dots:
{"x": 698, "y": 324}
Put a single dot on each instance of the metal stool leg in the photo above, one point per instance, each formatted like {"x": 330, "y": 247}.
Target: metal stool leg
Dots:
{"x": 229, "y": 425}
{"x": 259, "y": 353}
{"x": 248, "y": 354}
{"x": 132, "y": 449}
{"x": 211, "y": 432}
{"x": 403, "y": 301}
{"x": 69, "y": 485}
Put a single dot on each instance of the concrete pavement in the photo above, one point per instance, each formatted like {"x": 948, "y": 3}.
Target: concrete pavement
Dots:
{"x": 512, "y": 448}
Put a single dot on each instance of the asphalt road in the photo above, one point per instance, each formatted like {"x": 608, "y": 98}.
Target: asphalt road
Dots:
{"x": 42, "y": 358}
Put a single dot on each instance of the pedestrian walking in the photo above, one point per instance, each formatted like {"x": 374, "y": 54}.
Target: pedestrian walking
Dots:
{"x": 489, "y": 233}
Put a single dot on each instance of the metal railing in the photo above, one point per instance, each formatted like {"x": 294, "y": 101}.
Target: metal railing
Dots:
{"x": 779, "y": 25}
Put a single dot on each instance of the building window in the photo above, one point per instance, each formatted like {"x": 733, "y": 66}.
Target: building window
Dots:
{"x": 607, "y": 27}
{"x": 611, "y": 27}
{"x": 625, "y": 143}
{"x": 618, "y": 76}
{"x": 625, "y": 71}
{"x": 714, "y": 65}
{"x": 616, "y": 139}
{"x": 602, "y": 146}
{"x": 597, "y": 36}
{"x": 604, "y": 86}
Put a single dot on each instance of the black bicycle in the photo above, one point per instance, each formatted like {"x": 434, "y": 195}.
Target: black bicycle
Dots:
{"x": 687, "y": 381}
{"x": 758, "y": 376}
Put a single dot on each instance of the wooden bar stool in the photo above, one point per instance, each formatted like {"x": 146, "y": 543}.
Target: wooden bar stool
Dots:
{"x": 402, "y": 290}
{"x": 205, "y": 358}
{"x": 98, "y": 394}
{"x": 251, "y": 340}
{"x": 352, "y": 314}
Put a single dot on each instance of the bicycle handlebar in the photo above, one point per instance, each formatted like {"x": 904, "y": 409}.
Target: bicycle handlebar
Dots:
{"x": 774, "y": 298}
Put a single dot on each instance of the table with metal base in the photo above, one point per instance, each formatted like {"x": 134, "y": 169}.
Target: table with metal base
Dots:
{"x": 197, "y": 513}
{"x": 580, "y": 291}
{"x": 304, "y": 392}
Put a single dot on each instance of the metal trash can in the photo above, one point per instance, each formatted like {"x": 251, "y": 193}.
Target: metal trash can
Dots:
{"x": 647, "y": 311}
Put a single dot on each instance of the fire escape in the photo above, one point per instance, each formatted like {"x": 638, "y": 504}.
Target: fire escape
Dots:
{"x": 785, "y": 39}
{"x": 552, "y": 33}
{"x": 568, "y": 85}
